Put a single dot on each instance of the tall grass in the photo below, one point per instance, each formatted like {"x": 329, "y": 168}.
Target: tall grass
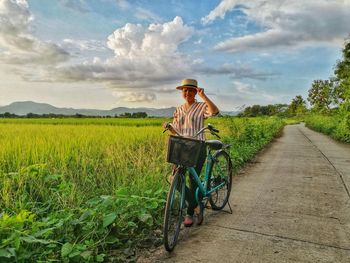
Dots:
{"x": 87, "y": 191}
{"x": 247, "y": 136}
{"x": 87, "y": 121}
{"x": 336, "y": 125}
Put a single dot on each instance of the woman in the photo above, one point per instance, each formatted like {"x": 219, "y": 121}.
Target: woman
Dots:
{"x": 188, "y": 120}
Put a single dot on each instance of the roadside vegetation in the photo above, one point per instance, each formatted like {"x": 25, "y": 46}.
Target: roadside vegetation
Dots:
{"x": 330, "y": 100}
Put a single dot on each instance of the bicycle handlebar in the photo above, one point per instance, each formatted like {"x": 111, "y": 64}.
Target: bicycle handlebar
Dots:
{"x": 209, "y": 127}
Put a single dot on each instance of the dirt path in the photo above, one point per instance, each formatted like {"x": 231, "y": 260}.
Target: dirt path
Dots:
{"x": 292, "y": 205}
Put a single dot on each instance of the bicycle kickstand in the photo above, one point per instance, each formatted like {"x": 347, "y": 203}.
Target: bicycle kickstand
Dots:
{"x": 230, "y": 212}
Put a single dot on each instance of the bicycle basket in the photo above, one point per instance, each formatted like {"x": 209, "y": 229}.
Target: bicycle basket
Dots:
{"x": 184, "y": 151}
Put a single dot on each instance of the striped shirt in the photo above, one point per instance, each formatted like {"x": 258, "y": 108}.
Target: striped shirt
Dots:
{"x": 188, "y": 123}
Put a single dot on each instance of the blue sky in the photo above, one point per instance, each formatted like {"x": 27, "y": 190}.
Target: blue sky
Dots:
{"x": 109, "y": 53}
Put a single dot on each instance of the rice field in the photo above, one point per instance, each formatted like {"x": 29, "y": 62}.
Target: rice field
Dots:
{"x": 94, "y": 190}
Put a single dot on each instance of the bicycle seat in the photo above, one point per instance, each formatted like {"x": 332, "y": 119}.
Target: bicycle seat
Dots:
{"x": 214, "y": 144}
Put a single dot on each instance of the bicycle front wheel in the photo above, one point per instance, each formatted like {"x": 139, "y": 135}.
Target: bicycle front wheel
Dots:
{"x": 174, "y": 211}
{"x": 220, "y": 174}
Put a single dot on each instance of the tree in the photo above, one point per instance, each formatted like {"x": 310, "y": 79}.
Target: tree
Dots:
{"x": 342, "y": 88}
{"x": 321, "y": 94}
{"x": 297, "y": 106}
{"x": 269, "y": 110}
{"x": 139, "y": 115}
{"x": 342, "y": 76}
{"x": 32, "y": 115}
{"x": 255, "y": 110}
{"x": 125, "y": 115}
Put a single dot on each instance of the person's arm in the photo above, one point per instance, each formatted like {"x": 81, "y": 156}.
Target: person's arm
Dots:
{"x": 174, "y": 124}
{"x": 212, "y": 108}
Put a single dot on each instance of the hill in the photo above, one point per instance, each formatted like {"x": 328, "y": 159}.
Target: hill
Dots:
{"x": 25, "y": 107}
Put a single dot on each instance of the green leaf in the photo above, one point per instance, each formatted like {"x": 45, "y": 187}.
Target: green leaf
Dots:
{"x": 66, "y": 249}
{"x": 148, "y": 192}
{"x": 132, "y": 224}
{"x": 112, "y": 240}
{"x": 4, "y": 253}
{"x": 86, "y": 254}
{"x": 121, "y": 192}
{"x": 52, "y": 245}
{"x": 85, "y": 215}
{"x": 74, "y": 253}
{"x": 146, "y": 218}
{"x": 44, "y": 231}
{"x": 31, "y": 239}
{"x": 109, "y": 219}
{"x": 100, "y": 257}
{"x": 94, "y": 201}
{"x": 153, "y": 205}
{"x": 107, "y": 200}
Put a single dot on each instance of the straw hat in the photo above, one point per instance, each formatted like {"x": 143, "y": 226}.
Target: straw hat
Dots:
{"x": 188, "y": 83}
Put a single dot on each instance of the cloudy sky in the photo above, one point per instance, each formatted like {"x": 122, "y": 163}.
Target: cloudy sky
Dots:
{"x": 109, "y": 53}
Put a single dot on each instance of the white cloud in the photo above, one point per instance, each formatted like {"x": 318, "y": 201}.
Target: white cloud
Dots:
{"x": 144, "y": 57}
{"x": 147, "y": 57}
{"x": 139, "y": 12}
{"x": 220, "y": 10}
{"x": 84, "y": 45}
{"x": 17, "y": 44}
{"x": 244, "y": 88}
{"x": 156, "y": 40}
{"x": 134, "y": 96}
{"x": 236, "y": 72}
{"x": 145, "y": 14}
{"x": 286, "y": 23}
{"x": 198, "y": 42}
{"x": 250, "y": 92}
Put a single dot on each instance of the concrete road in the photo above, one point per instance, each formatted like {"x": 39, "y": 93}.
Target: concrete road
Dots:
{"x": 291, "y": 205}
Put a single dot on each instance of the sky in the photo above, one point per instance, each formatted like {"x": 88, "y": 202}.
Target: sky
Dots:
{"x": 110, "y": 53}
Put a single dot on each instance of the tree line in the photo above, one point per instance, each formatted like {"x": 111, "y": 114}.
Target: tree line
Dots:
{"x": 77, "y": 115}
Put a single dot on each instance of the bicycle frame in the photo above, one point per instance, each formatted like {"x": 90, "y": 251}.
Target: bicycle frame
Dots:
{"x": 204, "y": 189}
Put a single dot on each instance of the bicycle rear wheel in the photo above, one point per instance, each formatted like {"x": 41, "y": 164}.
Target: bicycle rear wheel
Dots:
{"x": 174, "y": 211}
{"x": 220, "y": 172}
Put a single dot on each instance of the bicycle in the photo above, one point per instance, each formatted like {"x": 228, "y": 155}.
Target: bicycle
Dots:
{"x": 215, "y": 188}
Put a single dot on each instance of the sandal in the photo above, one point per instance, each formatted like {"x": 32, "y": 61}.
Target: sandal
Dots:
{"x": 188, "y": 221}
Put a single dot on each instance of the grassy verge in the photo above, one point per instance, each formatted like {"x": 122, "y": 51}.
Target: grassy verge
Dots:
{"x": 337, "y": 126}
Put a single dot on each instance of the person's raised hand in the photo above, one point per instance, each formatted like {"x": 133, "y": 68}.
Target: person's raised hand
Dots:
{"x": 200, "y": 92}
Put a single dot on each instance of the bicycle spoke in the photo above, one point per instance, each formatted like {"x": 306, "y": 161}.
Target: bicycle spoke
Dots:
{"x": 221, "y": 174}
{"x": 173, "y": 212}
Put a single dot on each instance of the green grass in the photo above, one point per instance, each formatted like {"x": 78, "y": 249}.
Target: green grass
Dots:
{"x": 88, "y": 121}
{"x": 76, "y": 190}
{"x": 337, "y": 126}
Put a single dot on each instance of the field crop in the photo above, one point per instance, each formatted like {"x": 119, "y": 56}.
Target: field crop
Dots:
{"x": 76, "y": 190}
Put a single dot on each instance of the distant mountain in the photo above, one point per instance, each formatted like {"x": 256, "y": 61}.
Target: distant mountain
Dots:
{"x": 229, "y": 113}
{"x": 25, "y": 107}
